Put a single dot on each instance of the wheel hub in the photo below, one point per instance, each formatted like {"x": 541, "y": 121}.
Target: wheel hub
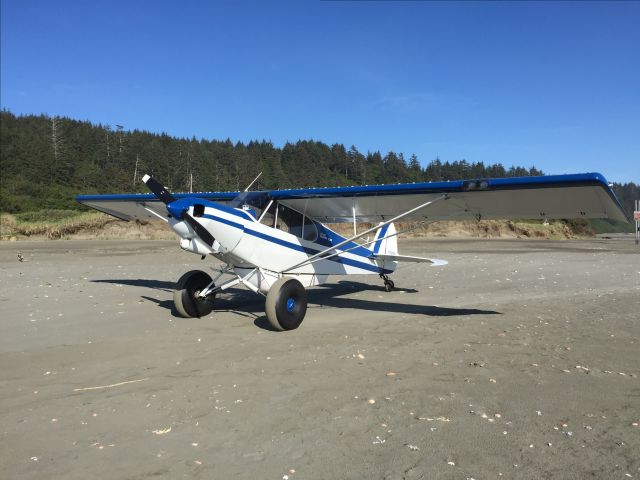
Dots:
{"x": 291, "y": 304}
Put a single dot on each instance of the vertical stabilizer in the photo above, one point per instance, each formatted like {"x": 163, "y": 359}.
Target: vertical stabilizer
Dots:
{"x": 386, "y": 243}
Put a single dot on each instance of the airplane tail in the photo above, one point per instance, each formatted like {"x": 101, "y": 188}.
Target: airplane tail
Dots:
{"x": 385, "y": 246}
{"x": 385, "y": 241}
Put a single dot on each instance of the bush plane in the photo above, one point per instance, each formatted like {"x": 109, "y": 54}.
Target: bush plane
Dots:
{"x": 277, "y": 244}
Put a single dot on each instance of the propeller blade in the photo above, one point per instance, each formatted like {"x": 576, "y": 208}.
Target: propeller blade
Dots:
{"x": 200, "y": 230}
{"x": 165, "y": 196}
{"x": 161, "y": 192}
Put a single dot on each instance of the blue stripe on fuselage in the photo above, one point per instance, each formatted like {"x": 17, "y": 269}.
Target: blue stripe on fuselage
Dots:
{"x": 223, "y": 220}
{"x": 291, "y": 245}
{"x": 331, "y": 238}
{"x": 311, "y": 251}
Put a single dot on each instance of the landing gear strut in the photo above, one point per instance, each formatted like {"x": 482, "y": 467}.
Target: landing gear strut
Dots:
{"x": 388, "y": 283}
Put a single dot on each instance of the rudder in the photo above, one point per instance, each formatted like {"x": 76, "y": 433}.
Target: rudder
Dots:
{"x": 386, "y": 243}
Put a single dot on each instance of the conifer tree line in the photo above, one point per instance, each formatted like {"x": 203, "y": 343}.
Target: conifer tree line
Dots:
{"x": 45, "y": 161}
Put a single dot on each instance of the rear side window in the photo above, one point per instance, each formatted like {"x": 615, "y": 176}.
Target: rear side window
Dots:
{"x": 310, "y": 231}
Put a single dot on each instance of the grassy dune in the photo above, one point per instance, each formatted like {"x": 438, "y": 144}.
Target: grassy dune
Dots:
{"x": 484, "y": 229}
{"x": 64, "y": 224}
{"x": 52, "y": 224}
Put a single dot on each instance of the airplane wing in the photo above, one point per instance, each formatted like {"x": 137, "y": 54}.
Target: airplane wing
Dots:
{"x": 144, "y": 206}
{"x": 585, "y": 195}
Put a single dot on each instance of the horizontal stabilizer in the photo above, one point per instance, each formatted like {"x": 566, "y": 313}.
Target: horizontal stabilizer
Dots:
{"x": 435, "y": 262}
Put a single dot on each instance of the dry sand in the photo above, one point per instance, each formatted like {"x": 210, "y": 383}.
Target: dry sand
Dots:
{"x": 520, "y": 359}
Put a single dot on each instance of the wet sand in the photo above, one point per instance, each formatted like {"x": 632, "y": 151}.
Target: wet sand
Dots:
{"x": 520, "y": 359}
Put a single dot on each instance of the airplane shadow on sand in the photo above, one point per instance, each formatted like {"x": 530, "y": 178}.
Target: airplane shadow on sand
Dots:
{"x": 331, "y": 297}
{"x": 142, "y": 282}
{"x": 246, "y": 303}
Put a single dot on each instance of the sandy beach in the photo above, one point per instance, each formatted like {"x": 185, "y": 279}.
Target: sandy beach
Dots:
{"x": 519, "y": 359}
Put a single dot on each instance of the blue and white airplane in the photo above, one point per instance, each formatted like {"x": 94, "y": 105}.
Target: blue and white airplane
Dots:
{"x": 276, "y": 242}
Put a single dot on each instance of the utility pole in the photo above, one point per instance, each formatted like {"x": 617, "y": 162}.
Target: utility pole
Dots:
{"x": 55, "y": 137}
{"x": 120, "y": 128}
{"x": 636, "y": 217}
{"x": 107, "y": 130}
{"x": 56, "y": 144}
{"x": 215, "y": 169}
{"x": 135, "y": 172}
{"x": 190, "y": 170}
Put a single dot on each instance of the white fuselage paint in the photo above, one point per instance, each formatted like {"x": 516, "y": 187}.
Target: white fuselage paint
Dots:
{"x": 246, "y": 244}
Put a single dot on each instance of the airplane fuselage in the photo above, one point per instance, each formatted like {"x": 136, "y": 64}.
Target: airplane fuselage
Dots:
{"x": 246, "y": 244}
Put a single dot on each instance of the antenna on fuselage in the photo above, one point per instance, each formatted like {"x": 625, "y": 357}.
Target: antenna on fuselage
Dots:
{"x": 254, "y": 181}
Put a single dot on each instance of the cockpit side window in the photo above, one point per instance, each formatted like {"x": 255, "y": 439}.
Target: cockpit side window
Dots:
{"x": 295, "y": 223}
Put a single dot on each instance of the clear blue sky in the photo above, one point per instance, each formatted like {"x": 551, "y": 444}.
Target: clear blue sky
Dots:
{"x": 550, "y": 84}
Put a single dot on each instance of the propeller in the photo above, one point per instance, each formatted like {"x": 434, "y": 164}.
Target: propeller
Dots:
{"x": 161, "y": 192}
{"x": 201, "y": 231}
{"x": 165, "y": 196}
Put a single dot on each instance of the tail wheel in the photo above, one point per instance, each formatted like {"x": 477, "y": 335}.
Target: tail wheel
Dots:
{"x": 185, "y": 296}
{"x": 286, "y": 304}
{"x": 388, "y": 283}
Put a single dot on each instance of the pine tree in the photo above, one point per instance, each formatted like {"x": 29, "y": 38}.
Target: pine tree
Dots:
{"x": 46, "y": 161}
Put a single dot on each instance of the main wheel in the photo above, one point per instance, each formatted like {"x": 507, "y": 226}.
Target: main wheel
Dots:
{"x": 185, "y": 295}
{"x": 389, "y": 285}
{"x": 286, "y": 304}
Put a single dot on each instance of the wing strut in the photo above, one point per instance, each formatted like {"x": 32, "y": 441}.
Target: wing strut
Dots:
{"x": 421, "y": 224}
{"x": 366, "y": 232}
{"x": 353, "y": 213}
